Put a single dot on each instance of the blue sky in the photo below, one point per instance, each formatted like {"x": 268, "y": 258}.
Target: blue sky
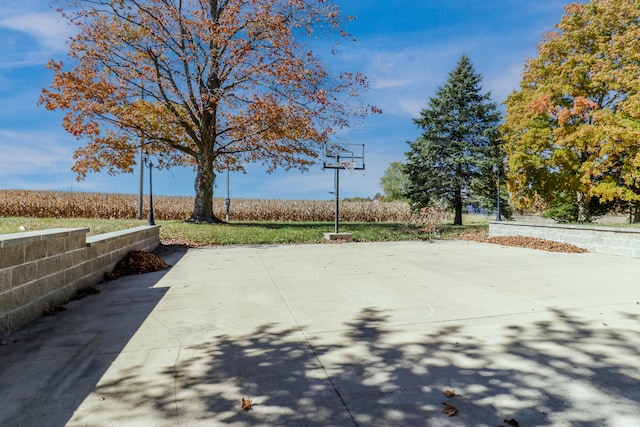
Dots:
{"x": 405, "y": 47}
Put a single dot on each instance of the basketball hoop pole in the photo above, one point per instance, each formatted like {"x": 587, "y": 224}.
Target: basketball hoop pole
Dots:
{"x": 334, "y": 158}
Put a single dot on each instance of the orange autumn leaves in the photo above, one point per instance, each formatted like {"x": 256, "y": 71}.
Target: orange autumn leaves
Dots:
{"x": 574, "y": 124}
{"x": 580, "y": 110}
{"x": 246, "y": 404}
{"x": 448, "y": 409}
{"x": 213, "y": 85}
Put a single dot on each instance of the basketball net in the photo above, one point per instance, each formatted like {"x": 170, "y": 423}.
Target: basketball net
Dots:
{"x": 349, "y": 167}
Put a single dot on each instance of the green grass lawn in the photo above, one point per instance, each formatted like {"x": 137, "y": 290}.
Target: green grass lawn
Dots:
{"x": 242, "y": 233}
{"x": 239, "y": 233}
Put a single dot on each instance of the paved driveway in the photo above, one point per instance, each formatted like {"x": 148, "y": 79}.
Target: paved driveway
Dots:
{"x": 340, "y": 335}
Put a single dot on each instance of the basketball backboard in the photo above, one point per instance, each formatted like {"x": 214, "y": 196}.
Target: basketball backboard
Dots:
{"x": 343, "y": 156}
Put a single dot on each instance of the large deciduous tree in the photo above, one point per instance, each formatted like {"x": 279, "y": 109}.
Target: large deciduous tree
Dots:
{"x": 207, "y": 83}
{"x": 453, "y": 159}
{"x": 572, "y": 130}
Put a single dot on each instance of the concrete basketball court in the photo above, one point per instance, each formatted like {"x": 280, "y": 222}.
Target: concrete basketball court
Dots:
{"x": 359, "y": 334}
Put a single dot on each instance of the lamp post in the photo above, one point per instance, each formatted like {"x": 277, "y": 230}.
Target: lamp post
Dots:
{"x": 496, "y": 171}
{"x": 141, "y": 190}
{"x": 227, "y": 201}
{"x": 148, "y": 162}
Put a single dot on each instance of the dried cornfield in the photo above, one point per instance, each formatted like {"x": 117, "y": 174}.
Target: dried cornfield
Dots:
{"x": 55, "y": 204}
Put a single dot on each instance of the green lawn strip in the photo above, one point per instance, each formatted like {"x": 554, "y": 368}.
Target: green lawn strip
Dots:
{"x": 238, "y": 233}
{"x": 95, "y": 225}
{"x": 450, "y": 231}
{"x": 253, "y": 233}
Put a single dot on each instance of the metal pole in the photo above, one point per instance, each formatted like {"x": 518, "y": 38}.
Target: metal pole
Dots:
{"x": 142, "y": 163}
{"x": 227, "y": 202}
{"x": 141, "y": 194}
{"x": 151, "y": 221}
{"x": 337, "y": 191}
{"x": 498, "y": 215}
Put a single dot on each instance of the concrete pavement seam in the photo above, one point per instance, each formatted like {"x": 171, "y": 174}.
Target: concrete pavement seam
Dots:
{"x": 313, "y": 350}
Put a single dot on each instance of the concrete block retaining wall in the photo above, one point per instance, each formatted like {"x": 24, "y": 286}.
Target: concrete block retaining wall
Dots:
{"x": 41, "y": 269}
{"x": 603, "y": 240}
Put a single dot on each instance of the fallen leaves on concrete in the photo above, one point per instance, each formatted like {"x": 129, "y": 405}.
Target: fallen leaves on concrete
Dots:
{"x": 523, "y": 242}
{"x": 136, "y": 262}
{"x": 450, "y": 393}
{"x": 452, "y": 411}
{"x": 449, "y": 410}
{"x": 247, "y": 404}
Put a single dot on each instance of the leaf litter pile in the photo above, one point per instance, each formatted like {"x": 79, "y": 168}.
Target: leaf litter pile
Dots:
{"x": 523, "y": 242}
{"x": 136, "y": 262}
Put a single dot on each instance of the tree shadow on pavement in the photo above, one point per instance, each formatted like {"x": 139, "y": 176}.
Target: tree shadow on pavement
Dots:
{"x": 565, "y": 370}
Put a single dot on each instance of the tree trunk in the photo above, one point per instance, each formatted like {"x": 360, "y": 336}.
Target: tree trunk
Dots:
{"x": 203, "y": 204}
{"x": 457, "y": 205}
{"x": 584, "y": 214}
{"x": 636, "y": 213}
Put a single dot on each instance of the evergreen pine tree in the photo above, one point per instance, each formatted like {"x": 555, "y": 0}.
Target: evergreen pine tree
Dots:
{"x": 452, "y": 161}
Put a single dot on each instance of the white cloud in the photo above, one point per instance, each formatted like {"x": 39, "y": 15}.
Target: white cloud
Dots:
{"x": 31, "y": 38}
{"x": 503, "y": 83}
{"x": 404, "y": 78}
{"x": 42, "y": 159}
{"x": 46, "y": 27}
{"x": 418, "y": 64}
{"x": 27, "y": 153}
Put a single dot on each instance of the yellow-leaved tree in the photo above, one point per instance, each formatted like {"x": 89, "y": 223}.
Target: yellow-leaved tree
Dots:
{"x": 572, "y": 130}
{"x": 207, "y": 83}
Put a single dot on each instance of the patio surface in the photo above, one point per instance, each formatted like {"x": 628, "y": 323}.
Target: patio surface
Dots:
{"x": 358, "y": 334}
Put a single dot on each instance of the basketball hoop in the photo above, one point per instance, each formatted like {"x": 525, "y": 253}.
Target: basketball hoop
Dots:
{"x": 344, "y": 156}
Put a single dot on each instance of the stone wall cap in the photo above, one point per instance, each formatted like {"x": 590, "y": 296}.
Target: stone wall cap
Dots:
{"x": 13, "y": 239}
{"x": 594, "y": 227}
{"x": 100, "y": 238}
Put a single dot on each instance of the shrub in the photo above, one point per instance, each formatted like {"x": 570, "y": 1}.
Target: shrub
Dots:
{"x": 428, "y": 219}
{"x": 562, "y": 210}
